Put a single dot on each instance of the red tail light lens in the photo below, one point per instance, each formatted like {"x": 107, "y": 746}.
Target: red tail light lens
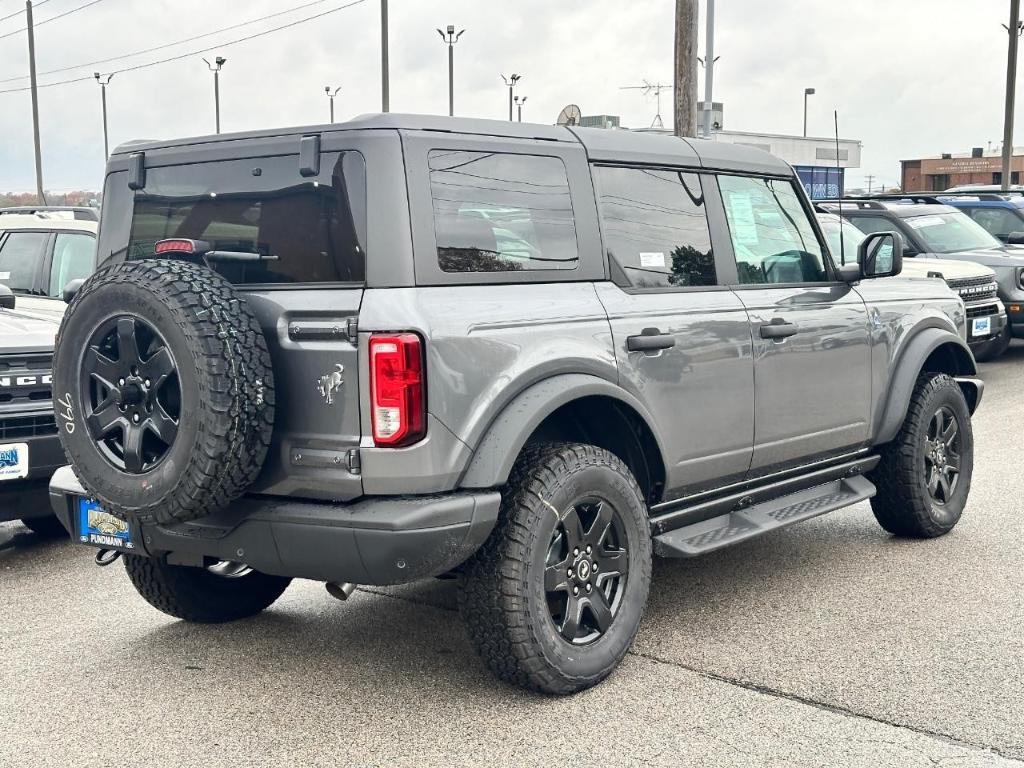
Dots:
{"x": 398, "y": 405}
{"x": 180, "y": 246}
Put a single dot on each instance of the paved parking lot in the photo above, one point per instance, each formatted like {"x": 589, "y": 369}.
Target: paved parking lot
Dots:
{"x": 829, "y": 643}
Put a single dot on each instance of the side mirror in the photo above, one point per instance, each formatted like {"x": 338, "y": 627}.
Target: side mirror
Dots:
{"x": 881, "y": 255}
{"x": 71, "y": 290}
{"x": 849, "y": 273}
{"x": 1015, "y": 238}
{"x": 6, "y": 297}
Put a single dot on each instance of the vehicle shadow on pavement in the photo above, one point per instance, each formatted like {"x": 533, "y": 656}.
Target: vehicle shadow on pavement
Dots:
{"x": 16, "y": 538}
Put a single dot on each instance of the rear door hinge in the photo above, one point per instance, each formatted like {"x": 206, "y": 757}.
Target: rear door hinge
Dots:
{"x": 355, "y": 464}
{"x": 352, "y": 329}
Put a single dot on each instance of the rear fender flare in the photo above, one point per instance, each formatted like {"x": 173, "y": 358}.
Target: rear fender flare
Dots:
{"x": 505, "y": 437}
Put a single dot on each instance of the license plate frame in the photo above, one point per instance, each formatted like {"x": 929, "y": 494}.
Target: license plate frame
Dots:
{"x": 101, "y": 529}
{"x": 13, "y": 461}
{"x": 981, "y": 326}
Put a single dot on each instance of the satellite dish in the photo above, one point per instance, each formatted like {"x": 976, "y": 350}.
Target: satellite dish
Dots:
{"x": 570, "y": 115}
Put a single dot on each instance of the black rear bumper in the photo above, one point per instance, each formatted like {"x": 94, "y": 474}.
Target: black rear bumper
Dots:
{"x": 376, "y": 540}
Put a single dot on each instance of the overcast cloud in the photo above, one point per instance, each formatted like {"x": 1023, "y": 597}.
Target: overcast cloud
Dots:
{"x": 909, "y": 78}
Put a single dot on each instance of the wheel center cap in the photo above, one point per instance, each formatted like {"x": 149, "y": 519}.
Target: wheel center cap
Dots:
{"x": 129, "y": 394}
{"x": 583, "y": 569}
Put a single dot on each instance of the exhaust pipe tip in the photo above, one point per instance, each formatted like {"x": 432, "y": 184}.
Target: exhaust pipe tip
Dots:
{"x": 341, "y": 590}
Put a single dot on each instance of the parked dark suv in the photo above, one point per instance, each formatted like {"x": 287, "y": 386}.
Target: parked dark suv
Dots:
{"x": 531, "y": 356}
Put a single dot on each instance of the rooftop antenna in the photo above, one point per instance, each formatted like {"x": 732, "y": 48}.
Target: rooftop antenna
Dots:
{"x": 570, "y": 115}
{"x": 647, "y": 89}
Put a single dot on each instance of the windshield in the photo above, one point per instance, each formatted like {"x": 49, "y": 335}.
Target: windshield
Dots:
{"x": 851, "y": 239}
{"x": 951, "y": 232}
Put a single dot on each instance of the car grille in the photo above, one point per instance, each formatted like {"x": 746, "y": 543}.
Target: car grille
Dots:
{"x": 975, "y": 288}
{"x": 990, "y": 309}
{"x": 25, "y": 382}
{"x": 20, "y": 427}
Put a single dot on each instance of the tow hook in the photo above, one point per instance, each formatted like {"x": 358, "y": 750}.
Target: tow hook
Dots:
{"x": 105, "y": 557}
{"x": 340, "y": 589}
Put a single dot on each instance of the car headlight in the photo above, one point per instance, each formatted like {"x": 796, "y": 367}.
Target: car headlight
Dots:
{"x": 1020, "y": 278}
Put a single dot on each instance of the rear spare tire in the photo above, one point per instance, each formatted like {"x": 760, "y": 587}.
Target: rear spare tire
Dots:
{"x": 164, "y": 389}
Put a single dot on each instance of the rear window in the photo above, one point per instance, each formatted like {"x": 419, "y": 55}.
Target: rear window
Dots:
{"x": 501, "y": 212}
{"x": 307, "y": 231}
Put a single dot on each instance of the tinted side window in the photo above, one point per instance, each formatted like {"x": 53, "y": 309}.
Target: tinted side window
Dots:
{"x": 308, "y": 231}
{"x": 999, "y": 221}
{"x": 870, "y": 224}
{"x": 74, "y": 257}
{"x": 655, "y": 226}
{"x": 772, "y": 236}
{"x": 500, "y": 212}
{"x": 21, "y": 253}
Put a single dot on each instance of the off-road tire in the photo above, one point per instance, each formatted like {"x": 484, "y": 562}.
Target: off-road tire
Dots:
{"x": 903, "y": 505}
{"x": 501, "y": 593}
{"x": 48, "y": 526}
{"x": 225, "y": 378}
{"x": 994, "y": 348}
{"x": 195, "y": 594}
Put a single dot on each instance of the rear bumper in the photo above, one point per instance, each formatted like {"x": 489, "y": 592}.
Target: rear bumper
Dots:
{"x": 377, "y": 540}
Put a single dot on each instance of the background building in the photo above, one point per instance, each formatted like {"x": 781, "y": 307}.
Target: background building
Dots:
{"x": 813, "y": 158}
{"x": 979, "y": 166}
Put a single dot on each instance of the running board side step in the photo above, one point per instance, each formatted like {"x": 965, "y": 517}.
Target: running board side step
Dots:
{"x": 740, "y": 525}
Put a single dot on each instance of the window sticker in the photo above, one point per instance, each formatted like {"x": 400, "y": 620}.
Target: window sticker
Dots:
{"x": 652, "y": 259}
{"x": 5, "y": 275}
{"x": 742, "y": 219}
{"x": 920, "y": 222}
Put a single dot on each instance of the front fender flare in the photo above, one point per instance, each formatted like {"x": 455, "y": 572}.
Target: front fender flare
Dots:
{"x": 909, "y": 365}
{"x": 505, "y": 437}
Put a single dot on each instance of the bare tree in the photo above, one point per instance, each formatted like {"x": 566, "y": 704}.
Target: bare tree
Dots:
{"x": 685, "y": 93}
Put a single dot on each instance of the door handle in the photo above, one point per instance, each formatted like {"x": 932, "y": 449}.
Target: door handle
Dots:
{"x": 779, "y": 330}
{"x": 650, "y": 340}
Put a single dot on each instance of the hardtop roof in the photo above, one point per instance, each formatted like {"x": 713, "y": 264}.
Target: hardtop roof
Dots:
{"x": 602, "y": 145}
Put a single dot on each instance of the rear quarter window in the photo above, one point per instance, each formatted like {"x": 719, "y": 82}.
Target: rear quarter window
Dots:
{"x": 307, "y": 231}
{"x": 501, "y": 212}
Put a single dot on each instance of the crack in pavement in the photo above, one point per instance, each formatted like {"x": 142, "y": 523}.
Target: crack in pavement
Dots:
{"x": 765, "y": 690}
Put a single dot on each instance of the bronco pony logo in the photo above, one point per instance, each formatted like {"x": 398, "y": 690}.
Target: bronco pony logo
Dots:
{"x": 330, "y": 383}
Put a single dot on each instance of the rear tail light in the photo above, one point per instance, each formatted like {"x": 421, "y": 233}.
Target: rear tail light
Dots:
{"x": 397, "y": 402}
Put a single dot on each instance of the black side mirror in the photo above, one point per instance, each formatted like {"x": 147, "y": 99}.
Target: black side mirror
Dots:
{"x": 71, "y": 289}
{"x": 1015, "y": 238}
{"x": 6, "y": 297}
{"x": 880, "y": 255}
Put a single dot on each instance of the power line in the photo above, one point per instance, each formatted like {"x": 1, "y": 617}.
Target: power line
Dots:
{"x": 167, "y": 45}
{"x": 21, "y": 11}
{"x": 52, "y": 18}
{"x": 196, "y": 52}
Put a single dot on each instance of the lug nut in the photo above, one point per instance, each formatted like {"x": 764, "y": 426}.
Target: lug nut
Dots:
{"x": 594, "y": 567}
{"x": 120, "y": 382}
{"x": 589, "y": 587}
{"x": 588, "y": 549}
{"x": 135, "y": 418}
{"x": 570, "y": 573}
{"x": 575, "y": 590}
{"x": 575, "y": 551}
{"x": 148, "y": 383}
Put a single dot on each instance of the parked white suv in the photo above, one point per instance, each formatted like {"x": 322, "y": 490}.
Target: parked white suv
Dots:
{"x": 42, "y": 250}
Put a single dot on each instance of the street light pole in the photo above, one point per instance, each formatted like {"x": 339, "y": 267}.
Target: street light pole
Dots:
{"x": 103, "y": 96}
{"x": 709, "y": 68}
{"x": 330, "y": 95}
{"x": 1013, "y": 32}
{"x": 35, "y": 100}
{"x": 519, "y": 106}
{"x": 215, "y": 68}
{"x": 451, "y": 40}
{"x": 807, "y": 92}
{"x": 385, "y": 99}
{"x": 511, "y": 83}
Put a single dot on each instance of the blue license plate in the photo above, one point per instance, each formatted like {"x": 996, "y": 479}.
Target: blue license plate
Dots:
{"x": 102, "y": 529}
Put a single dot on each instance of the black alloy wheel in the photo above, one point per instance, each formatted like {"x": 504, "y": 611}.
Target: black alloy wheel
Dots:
{"x": 132, "y": 395}
{"x": 586, "y": 570}
{"x": 942, "y": 455}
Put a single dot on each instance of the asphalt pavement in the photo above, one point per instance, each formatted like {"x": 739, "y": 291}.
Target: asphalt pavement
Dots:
{"x": 826, "y": 644}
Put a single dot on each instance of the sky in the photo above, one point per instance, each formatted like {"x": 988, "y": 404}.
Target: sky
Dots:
{"x": 909, "y": 78}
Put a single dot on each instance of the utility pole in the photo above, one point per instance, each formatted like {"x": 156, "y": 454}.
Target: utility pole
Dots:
{"x": 870, "y": 179}
{"x": 511, "y": 83}
{"x": 385, "y": 99}
{"x": 519, "y": 107}
{"x": 103, "y": 96}
{"x": 215, "y": 68}
{"x": 451, "y": 40}
{"x": 35, "y": 101}
{"x": 1013, "y": 31}
{"x": 330, "y": 95}
{"x": 709, "y": 67}
{"x": 807, "y": 92}
{"x": 685, "y": 123}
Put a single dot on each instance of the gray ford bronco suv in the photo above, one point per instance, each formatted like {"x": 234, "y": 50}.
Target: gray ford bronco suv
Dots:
{"x": 529, "y": 356}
